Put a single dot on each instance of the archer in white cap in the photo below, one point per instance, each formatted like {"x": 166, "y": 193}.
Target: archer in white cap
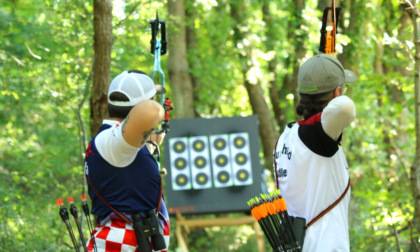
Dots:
{"x": 310, "y": 167}
{"x": 124, "y": 178}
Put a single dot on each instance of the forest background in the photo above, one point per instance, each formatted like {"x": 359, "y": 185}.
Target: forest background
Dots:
{"x": 225, "y": 58}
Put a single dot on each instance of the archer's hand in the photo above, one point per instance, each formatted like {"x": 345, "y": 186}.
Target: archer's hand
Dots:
{"x": 157, "y": 137}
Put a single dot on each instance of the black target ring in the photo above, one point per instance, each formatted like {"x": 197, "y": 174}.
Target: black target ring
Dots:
{"x": 198, "y": 145}
{"x": 180, "y": 163}
{"x": 239, "y": 142}
{"x": 181, "y": 180}
{"x": 200, "y": 162}
{"x": 242, "y": 175}
{"x": 179, "y": 147}
{"x": 219, "y": 144}
{"x": 241, "y": 158}
{"x": 201, "y": 178}
{"x": 221, "y": 160}
{"x": 223, "y": 177}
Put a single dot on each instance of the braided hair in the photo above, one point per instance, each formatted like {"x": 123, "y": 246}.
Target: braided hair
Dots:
{"x": 312, "y": 104}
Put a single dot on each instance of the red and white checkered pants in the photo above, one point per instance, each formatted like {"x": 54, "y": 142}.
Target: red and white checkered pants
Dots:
{"x": 117, "y": 236}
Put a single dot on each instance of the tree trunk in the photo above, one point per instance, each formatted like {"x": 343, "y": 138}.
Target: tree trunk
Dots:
{"x": 300, "y": 51}
{"x": 324, "y": 3}
{"x": 415, "y": 168}
{"x": 192, "y": 47}
{"x": 255, "y": 91}
{"x": 273, "y": 88}
{"x": 178, "y": 68}
{"x": 102, "y": 23}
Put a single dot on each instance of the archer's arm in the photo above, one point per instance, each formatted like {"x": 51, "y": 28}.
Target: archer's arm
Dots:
{"x": 141, "y": 122}
{"x": 338, "y": 115}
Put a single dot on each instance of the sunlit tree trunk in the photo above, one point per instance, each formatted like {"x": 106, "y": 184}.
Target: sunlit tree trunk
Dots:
{"x": 178, "y": 67}
{"x": 255, "y": 91}
{"x": 300, "y": 50}
{"x": 192, "y": 48}
{"x": 102, "y": 23}
{"x": 273, "y": 88}
{"x": 415, "y": 168}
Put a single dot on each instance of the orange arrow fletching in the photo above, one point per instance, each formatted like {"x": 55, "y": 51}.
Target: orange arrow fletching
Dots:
{"x": 277, "y": 205}
{"x": 283, "y": 205}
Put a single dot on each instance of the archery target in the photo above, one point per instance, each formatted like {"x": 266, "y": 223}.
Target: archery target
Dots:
{"x": 200, "y": 162}
{"x": 241, "y": 163}
{"x": 180, "y": 163}
{"x": 220, "y": 159}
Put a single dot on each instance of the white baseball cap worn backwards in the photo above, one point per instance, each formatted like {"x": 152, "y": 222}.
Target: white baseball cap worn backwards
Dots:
{"x": 322, "y": 73}
{"x": 136, "y": 85}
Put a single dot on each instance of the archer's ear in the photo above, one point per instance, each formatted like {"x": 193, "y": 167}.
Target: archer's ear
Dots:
{"x": 338, "y": 92}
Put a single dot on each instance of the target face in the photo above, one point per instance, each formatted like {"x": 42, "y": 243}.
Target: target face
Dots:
{"x": 179, "y": 164}
{"x": 242, "y": 175}
{"x": 181, "y": 180}
{"x": 222, "y": 160}
{"x": 202, "y": 178}
{"x": 241, "y": 158}
{"x": 198, "y": 145}
{"x": 239, "y": 142}
{"x": 200, "y": 162}
{"x": 219, "y": 144}
{"x": 241, "y": 164}
{"x": 179, "y": 147}
{"x": 223, "y": 177}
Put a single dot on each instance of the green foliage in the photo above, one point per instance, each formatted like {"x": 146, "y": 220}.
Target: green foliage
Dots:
{"x": 45, "y": 56}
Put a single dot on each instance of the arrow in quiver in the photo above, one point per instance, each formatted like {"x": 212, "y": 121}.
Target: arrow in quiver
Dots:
{"x": 271, "y": 213}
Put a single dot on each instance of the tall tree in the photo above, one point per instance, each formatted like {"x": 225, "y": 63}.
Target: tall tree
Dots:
{"x": 178, "y": 68}
{"x": 191, "y": 39}
{"x": 299, "y": 48}
{"x": 255, "y": 91}
{"x": 270, "y": 31}
{"x": 415, "y": 168}
{"x": 102, "y": 23}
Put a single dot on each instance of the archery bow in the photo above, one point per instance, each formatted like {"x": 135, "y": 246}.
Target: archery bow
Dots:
{"x": 328, "y": 37}
{"x": 158, "y": 48}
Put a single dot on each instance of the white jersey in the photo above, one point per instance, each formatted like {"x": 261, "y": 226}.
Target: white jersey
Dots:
{"x": 312, "y": 173}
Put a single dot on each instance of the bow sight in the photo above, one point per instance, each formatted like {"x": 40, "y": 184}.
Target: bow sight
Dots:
{"x": 155, "y": 23}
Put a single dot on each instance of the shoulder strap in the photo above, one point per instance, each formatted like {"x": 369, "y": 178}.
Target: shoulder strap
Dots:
{"x": 330, "y": 207}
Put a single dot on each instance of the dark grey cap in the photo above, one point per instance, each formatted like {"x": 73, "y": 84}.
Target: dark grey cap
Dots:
{"x": 322, "y": 73}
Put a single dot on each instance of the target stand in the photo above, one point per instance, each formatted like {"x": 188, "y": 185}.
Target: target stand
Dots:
{"x": 183, "y": 227}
